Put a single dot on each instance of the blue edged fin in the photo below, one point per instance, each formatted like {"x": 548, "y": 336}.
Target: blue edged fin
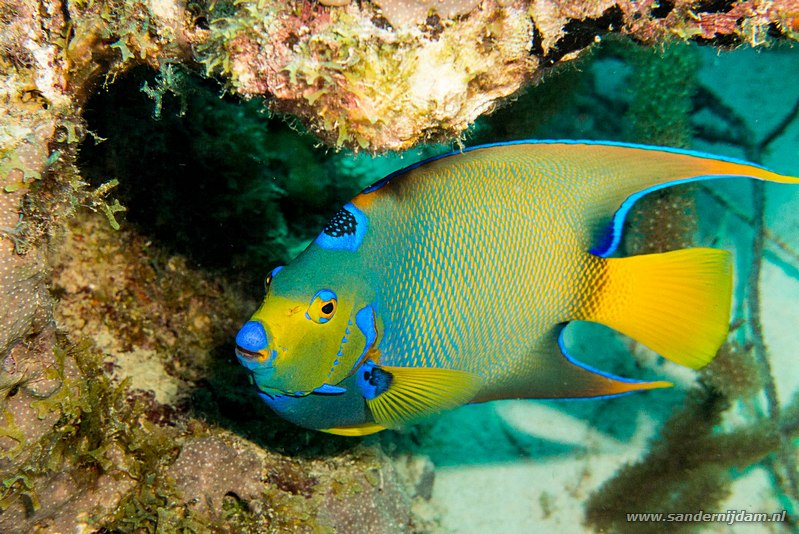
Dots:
{"x": 629, "y": 172}
{"x": 397, "y": 396}
{"x": 587, "y": 142}
{"x": 610, "y": 238}
{"x": 617, "y": 176}
{"x": 600, "y": 384}
{"x": 555, "y": 374}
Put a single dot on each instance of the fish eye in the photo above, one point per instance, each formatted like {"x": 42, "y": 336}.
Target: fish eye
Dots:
{"x": 323, "y": 306}
{"x": 270, "y": 276}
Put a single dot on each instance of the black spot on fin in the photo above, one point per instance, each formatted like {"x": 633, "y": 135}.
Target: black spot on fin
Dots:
{"x": 416, "y": 392}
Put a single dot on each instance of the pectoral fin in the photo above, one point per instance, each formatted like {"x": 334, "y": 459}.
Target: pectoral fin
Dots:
{"x": 400, "y": 395}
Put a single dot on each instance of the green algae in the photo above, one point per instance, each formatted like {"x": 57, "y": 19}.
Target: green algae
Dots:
{"x": 96, "y": 431}
{"x": 356, "y": 82}
{"x": 171, "y": 79}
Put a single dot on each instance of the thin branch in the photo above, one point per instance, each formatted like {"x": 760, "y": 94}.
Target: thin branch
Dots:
{"x": 789, "y": 479}
{"x": 734, "y": 210}
{"x": 779, "y": 129}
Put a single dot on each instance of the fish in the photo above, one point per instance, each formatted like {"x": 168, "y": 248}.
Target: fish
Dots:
{"x": 452, "y": 282}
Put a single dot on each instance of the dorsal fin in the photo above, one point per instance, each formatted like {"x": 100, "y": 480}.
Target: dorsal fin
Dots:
{"x": 623, "y": 173}
{"x": 604, "y": 178}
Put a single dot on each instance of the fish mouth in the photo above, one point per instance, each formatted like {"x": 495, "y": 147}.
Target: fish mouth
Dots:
{"x": 257, "y": 362}
{"x": 261, "y": 357}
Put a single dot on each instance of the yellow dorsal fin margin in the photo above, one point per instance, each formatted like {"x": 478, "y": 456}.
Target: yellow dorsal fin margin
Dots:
{"x": 676, "y": 303}
{"x": 416, "y": 392}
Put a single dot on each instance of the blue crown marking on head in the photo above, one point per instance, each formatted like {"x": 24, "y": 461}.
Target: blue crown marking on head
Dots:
{"x": 345, "y": 231}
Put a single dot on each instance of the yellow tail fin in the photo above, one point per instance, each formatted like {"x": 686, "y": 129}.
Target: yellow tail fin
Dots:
{"x": 676, "y": 303}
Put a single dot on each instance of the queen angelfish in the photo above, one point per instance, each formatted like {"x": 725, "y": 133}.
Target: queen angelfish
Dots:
{"x": 451, "y": 281}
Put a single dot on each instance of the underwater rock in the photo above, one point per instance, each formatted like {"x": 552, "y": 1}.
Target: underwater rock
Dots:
{"x": 208, "y": 469}
{"x": 407, "y": 12}
{"x": 358, "y": 82}
{"x": 357, "y": 491}
{"x": 23, "y": 286}
{"x": 414, "y": 71}
{"x": 27, "y": 128}
{"x": 48, "y": 452}
{"x": 418, "y": 472}
{"x": 26, "y": 383}
{"x": 58, "y": 507}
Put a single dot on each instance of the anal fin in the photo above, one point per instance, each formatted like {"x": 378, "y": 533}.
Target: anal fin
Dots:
{"x": 397, "y": 396}
{"x": 556, "y": 374}
{"x": 596, "y": 383}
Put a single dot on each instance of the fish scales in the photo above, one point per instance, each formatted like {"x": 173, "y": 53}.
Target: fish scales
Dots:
{"x": 452, "y": 282}
{"x": 481, "y": 219}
